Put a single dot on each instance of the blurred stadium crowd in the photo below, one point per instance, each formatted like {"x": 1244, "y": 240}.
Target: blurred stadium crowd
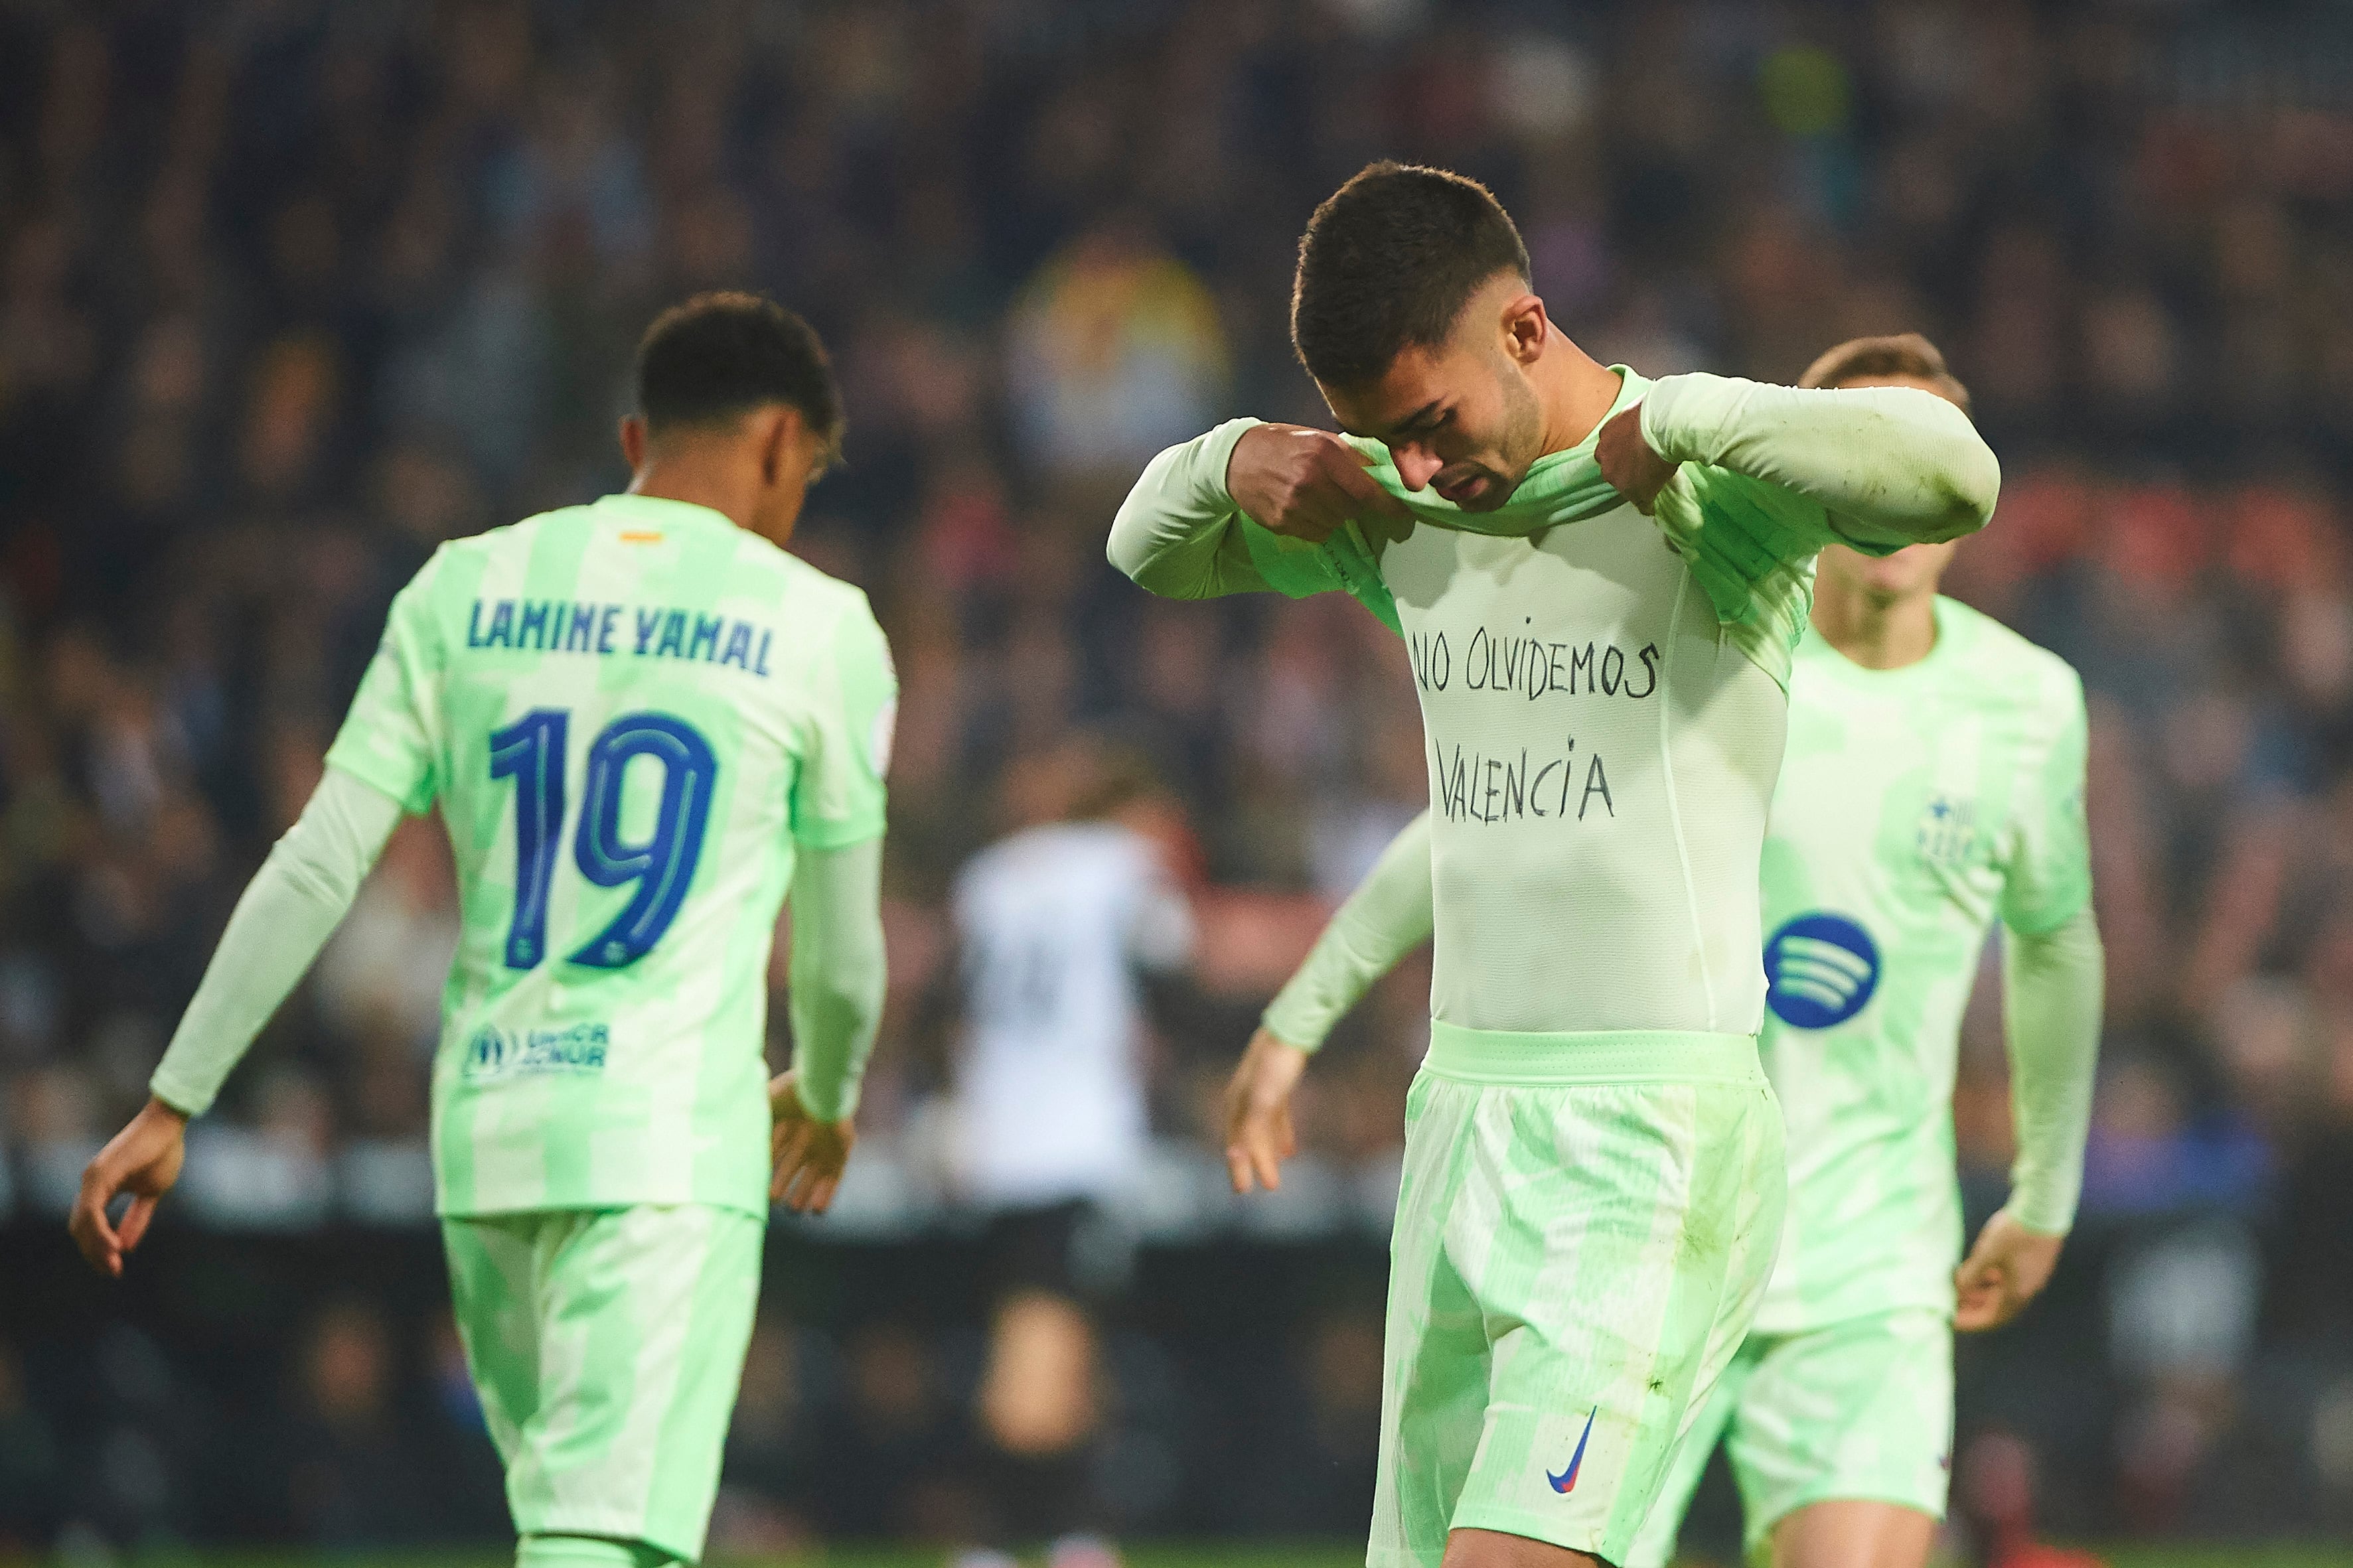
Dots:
{"x": 290, "y": 292}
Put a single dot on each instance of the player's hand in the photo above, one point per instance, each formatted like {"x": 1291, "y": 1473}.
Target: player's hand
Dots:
{"x": 1306, "y": 484}
{"x": 1633, "y": 469}
{"x": 142, "y": 1160}
{"x": 1259, "y": 1136}
{"x": 807, "y": 1155}
{"x": 2005, "y": 1270}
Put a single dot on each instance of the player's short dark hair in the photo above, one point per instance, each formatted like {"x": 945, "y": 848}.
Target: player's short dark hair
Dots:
{"x": 1387, "y": 263}
{"x": 1873, "y": 359}
{"x": 720, "y": 356}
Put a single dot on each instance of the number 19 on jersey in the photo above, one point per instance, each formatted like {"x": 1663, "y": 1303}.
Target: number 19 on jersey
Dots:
{"x": 532, "y": 751}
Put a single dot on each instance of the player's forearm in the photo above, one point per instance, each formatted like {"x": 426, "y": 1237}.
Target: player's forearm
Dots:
{"x": 2053, "y": 985}
{"x": 838, "y": 975}
{"x": 288, "y": 912}
{"x": 1179, "y": 532}
{"x": 1386, "y": 917}
{"x": 1892, "y": 464}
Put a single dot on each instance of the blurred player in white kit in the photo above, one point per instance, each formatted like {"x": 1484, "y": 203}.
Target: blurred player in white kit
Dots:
{"x": 1057, "y": 926}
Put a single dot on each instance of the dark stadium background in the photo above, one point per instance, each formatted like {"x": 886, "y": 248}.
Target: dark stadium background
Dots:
{"x": 289, "y": 293}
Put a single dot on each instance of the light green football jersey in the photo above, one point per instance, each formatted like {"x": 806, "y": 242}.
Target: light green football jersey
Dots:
{"x": 629, "y": 713}
{"x": 1602, "y": 704}
{"x": 1915, "y": 807}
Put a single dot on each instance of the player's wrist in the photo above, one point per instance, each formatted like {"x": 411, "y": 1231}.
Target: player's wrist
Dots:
{"x": 834, "y": 1109}
{"x": 159, "y": 1109}
{"x": 1217, "y": 453}
{"x": 2036, "y": 1222}
{"x": 1277, "y": 1030}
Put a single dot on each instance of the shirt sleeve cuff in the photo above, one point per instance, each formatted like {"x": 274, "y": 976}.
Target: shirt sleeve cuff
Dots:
{"x": 185, "y": 1098}
{"x": 838, "y": 1104}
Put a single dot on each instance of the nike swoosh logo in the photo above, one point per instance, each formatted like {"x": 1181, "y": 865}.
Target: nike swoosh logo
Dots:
{"x": 1566, "y": 1482}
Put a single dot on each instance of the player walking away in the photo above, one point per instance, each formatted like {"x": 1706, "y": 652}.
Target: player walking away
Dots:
{"x": 1601, "y": 606}
{"x": 1933, "y": 783}
{"x": 1056, "y": 924}
{"x": 1933, "y": 780}
{"x": 642, "y": 722}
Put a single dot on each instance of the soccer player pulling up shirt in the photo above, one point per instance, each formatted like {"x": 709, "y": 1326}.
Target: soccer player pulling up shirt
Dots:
{"x": 1602, "y": 581}
{"x": 643, "y": 722}
{"x": 1933, "y": 782}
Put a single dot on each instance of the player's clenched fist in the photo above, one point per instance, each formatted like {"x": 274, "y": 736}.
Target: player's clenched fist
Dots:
{"x": 1627, "y": 461}
{"x": 1305, "y": 484}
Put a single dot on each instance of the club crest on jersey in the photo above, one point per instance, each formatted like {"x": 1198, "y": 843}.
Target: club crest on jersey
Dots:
{"x": 1821, "y": 970}
{"x": 1948, "y": 830}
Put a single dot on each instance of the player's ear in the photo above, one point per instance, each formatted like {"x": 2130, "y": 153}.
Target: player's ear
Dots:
{"x": 780, "y": 428}
{"x": 633, "y": 442}
{"x": 1525, "y": 329}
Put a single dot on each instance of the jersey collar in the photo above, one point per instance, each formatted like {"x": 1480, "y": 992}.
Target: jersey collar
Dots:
{"x": 1817, "y": 649}
{"x": 660, "y": 511}
{"x": 1560, "y": 487}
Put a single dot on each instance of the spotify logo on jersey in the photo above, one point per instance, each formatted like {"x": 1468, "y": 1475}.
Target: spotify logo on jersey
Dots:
{"x": 1819, "y": 970}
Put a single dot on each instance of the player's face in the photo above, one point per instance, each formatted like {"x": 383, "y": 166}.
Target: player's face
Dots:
{"x": 1912, "y": 571}
{"x": 1459, "y": 417}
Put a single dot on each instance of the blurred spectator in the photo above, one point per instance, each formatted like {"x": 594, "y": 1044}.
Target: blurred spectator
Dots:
{"x": 30, "y": 1465}
{"x": 1995, "y": 1495}
{"x": 1317, "y": 1470}
{"x": 462, "y": 1471}
{"x": 388, "y": 958}
{"x": 2147, "y": 1155}
{"x": 352, "y": 1479}
{"x": 1115, "y": 352}
{"x": 893, "y": 1462}
{"x": 768, "y": 1503}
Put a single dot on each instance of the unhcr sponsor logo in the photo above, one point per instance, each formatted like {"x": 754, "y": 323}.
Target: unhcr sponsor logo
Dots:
{"x": 486, "y": 1052}
{"x": 493, "y": 1052}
